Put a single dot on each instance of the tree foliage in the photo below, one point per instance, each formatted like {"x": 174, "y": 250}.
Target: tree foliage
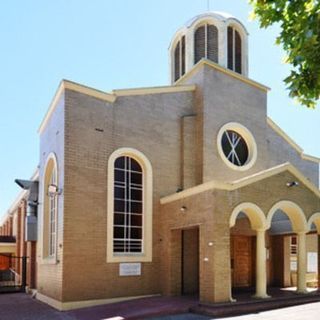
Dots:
{"x": 300, "y": 37}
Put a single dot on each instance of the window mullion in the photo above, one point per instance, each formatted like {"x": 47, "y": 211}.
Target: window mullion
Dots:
{"x": 206, "y": 41}
{"x": 234, "y": 48}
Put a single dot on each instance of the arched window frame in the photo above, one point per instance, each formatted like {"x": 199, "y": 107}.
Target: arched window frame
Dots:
{"x": 179, "y": 57}
{"x": 49, "y": 211}
{"x": 146, "y": 254}
{"x": 206, "y": 24}
{"x": 235, "y": 30}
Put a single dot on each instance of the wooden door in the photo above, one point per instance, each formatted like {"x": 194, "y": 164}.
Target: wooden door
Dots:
{"x": 190, "y": 261}
{"x": 242, "y": 261}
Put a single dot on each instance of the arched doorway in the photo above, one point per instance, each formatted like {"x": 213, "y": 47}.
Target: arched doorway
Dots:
{"x": 286, "y": 221}
{"x": 248, "y": 254}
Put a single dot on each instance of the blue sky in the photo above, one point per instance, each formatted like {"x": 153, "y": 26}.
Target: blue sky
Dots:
{"x": 112, "y": 45}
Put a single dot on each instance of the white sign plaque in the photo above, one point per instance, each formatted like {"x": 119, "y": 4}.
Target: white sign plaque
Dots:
{"x": 130, "y": 269}
{"x": 312, "y": 262}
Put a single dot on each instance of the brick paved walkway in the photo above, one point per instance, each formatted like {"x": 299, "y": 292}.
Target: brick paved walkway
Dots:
{"x": 19, "y": 306}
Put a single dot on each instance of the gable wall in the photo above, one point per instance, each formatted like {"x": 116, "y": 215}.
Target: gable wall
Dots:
{"x": 148, "y": 123}
{"x": 281, "y": 151}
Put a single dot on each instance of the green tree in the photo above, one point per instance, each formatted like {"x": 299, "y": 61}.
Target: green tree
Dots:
{"x": 299, "y": 22}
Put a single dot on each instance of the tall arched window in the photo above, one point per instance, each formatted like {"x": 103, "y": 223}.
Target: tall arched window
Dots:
{"x": 180, "y": 58}
{"x": 206, "y": 43}
{"x": 52, "y": 215}
{"x": 129, "y": 207}
{"x": 50, "y": 207}
{"x": 234, "y": 50}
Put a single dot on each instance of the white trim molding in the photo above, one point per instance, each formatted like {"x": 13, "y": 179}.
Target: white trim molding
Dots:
{"x": 146, "y": 255}
{"x": 254, "y": 213}
{"x": 105, "y": 96}
{"x": 44, "y": 212}
{"x": 315, "y": 218}
{"x": 290, "y": 141}
{"x": 242, "y": 183}
{"x": 294, "y": 213}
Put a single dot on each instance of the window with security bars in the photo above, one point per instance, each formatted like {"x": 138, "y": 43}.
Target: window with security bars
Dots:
{"x": 293, "y": 245}
{"x": 52, "y": 217}
{"x": 234, "y": 50}
{"x": 206, "y": 43}
{"x": 128, "y": 206}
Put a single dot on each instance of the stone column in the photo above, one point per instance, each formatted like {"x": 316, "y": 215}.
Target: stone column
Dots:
{"x": 261, "y": 266}
{"x": 302, "y": 263}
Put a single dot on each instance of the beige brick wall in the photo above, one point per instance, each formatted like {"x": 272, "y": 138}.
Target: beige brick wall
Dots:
{"x": 49, "y": 276}
{"x": 150, "y": 124}
{"x": 211, "y": 210}
{"x": 84, "y": 131}
{"x": 220, "y": 99}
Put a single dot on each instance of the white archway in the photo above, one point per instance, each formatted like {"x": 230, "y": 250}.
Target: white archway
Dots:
{"x": 315, "y": 218}
{"x": 254, "y": 213}
{"x": 258, "y": 223}
{"x": 300, "y": 227}
{"x": 294, "y": 213}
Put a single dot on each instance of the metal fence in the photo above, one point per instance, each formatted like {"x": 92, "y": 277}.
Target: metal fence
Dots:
{"x": 13, "y": 272}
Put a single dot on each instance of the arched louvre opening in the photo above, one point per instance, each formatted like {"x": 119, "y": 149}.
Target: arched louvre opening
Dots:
{"x": 230, "y": 48}
{"x": 179, "y": 59}
{"x": 199, "y": 44}
{"x": 238, "y": 56}
{"x": 234, "y": 50}
{"x": 212, "y": 43}
{"x": 206, "y": 43}
{"x": 128, "y": 206}
{"x": 177, "y": 62}
{"x": 183, "y": 55}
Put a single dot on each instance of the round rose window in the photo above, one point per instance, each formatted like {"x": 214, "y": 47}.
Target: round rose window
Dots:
{"x": 234, "y": 147}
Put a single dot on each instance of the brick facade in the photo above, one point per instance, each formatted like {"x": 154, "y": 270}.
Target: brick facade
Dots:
{"x": 176, "y": 129}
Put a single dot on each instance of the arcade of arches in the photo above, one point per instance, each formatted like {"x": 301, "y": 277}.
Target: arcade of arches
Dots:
{"x": 273, "y": 249}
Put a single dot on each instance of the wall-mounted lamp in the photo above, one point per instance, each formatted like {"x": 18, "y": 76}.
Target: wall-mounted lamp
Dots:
{"x": 183, "y": 209}
{"x": 210, "y": 244}
{"x": 205, "y": 259}
{"x": 53, "y": 190}
{"x": 292, "y": 184}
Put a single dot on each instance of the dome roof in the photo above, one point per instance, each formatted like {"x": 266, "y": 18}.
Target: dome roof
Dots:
{"x": 216, "y": 36}
{"x": 219, "y": 15}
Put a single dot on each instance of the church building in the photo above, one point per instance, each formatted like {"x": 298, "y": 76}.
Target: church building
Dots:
{"x": 185, "y": 189}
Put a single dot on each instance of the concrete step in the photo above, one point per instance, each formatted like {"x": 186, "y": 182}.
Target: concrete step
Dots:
{"x": 253, "y": 306}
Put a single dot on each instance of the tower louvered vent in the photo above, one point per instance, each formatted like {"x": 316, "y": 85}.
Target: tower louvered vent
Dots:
{"x": 212, "y": 43}
{"x": 199, "y": 44}
{"x": 180, "y": 59}
{"x": 234, "y": 50}
{"x": 206, "y": 43}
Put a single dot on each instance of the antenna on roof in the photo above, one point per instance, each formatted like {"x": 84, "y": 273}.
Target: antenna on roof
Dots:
{"x": 208, "y": 5}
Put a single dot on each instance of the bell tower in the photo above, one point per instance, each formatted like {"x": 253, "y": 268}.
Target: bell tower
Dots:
{"x": 215, "y": 36}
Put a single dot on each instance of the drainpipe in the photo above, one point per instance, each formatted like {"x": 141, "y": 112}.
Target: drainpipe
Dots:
{"x": 32, "y": 207}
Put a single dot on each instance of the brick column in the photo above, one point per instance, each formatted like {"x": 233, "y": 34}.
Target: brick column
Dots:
{"x": 215, "y": 268}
